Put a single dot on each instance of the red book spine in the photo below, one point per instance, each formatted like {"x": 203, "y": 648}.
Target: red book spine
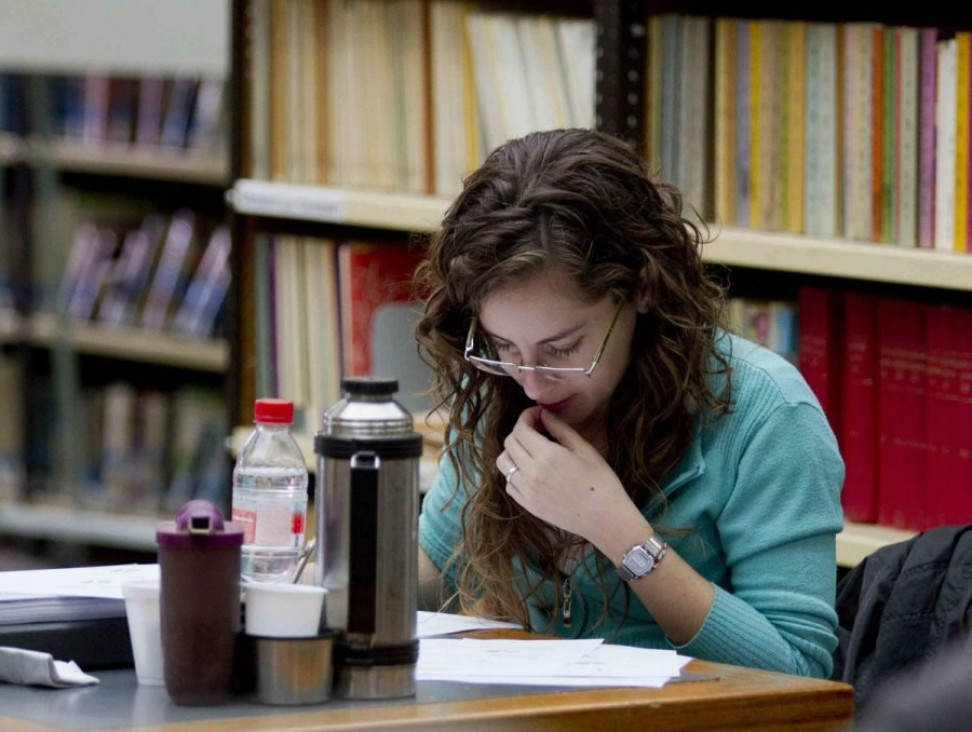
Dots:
{"x": 941, "y": 411}
{"x": 902, "y": 441}
{"x": 819, "y": 348}
{"x": 859, "y": 411}
{"x": 962, "y": 431}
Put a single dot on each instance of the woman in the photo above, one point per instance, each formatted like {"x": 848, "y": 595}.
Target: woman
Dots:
{"x": 617, "y": 465}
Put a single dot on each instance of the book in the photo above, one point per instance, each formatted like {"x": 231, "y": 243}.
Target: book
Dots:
{"x": 943, "y": 413}
{"x": 151, "y": 102}
{"x": 963, "y": 53}
{"x": 204, "y": 297}
{"x": 901, "y": 395}
{"x": 668, "y": 149}
{"x": 859, "y": 407}
{"x": 198, "y": 429}
{"x": 132, "y": 272}
{"x": 945, "y": 146}
{"x": 323, "y": 333}
{"x": 724, "y": 117}
{"x": 115, "y": 484}
{"x": 578, "y": 46}
{"x": 95, "y": 108}
{"x": 259, "y": 108}
{"x": 177, "y": 116}
{"x": 793, "y": 126}
{"x": 742, "y": 181}
{"x": 173, "y": 257}
{"x": 927, "y": 145}
{"x": 206, "y": 130}
{"x": 370, "y": 274}
{"x": 88, "y": 267}
{"x": 821, "y": 166}
{"x": 453, "y": 97}
{"x": 907, "y": 144}
{"x": 122, "y": 109}
{"x": 820, "y": 348}
{"x": 878, "y": 132}
{"x": 12, "y": 441}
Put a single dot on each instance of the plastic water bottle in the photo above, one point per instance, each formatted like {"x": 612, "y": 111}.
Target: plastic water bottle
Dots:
{"x": 270, "y": 495}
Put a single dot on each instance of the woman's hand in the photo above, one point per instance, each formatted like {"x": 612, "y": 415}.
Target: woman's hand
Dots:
{"x": 563, "y": 480}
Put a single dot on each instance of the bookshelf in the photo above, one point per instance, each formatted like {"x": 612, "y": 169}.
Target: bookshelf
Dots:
{"x": 208, "y": 169}
{"x": 327, "y": 205}
{"x": 731, "y": 246}
{"x": 125, "y": 139}
{"x": 131, "y": 344}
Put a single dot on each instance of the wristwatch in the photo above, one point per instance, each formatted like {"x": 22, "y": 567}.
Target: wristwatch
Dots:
{"x": 642, "y": 559}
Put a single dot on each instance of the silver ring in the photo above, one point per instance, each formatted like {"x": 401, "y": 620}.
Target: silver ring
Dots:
{"x": 509, "y": 473}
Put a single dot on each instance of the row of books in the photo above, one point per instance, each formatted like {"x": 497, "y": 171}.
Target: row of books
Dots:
{"x": 895, "y": 378}
{"x": 852, "y": 130}
{"x": 164, "y": 272}
{"x": 770, "y": 323}
{"x": 404, "y": 94}
{"x": 186, "y": 113}
{"x": 328, "y": 308}
{"x": 138, "y": 450}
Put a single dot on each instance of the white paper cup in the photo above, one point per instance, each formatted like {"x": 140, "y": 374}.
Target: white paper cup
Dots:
{"x": 283, "y": 610}
{"x": 145, "y": 628}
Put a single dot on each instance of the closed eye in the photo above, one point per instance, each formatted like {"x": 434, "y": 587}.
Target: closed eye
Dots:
{"x": 566, "y": 352}
{"x": 501, "y": 346}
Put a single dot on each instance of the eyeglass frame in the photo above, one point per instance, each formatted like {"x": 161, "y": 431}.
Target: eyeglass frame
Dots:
{"x": 540, "y": 369}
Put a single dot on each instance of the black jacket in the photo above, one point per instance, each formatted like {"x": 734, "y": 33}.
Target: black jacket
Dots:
{"x": 903, "y": 604}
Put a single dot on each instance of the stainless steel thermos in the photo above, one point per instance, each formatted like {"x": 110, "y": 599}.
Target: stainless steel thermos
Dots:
{"x": 367, "y": 537}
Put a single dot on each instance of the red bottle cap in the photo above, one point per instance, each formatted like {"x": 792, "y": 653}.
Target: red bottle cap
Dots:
{"x": 278, "y": 411}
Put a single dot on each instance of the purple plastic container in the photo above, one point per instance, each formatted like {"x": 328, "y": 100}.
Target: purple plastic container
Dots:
{"x": 199, "y": 562}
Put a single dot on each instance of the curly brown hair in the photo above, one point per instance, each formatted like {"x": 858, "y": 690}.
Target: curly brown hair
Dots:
{"x": 582, "y": 201}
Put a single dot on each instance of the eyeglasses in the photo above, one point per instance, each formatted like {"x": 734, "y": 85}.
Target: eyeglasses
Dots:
{"x": 554, "y": 373}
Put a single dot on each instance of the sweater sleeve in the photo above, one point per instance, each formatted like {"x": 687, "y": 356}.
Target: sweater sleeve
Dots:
{"x": 778, "y": 530}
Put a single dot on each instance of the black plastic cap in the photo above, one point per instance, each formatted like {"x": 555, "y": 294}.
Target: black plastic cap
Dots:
{"x": 369, "y": 385}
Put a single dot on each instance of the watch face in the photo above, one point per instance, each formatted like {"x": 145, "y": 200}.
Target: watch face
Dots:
{"x": 639, "y": 561}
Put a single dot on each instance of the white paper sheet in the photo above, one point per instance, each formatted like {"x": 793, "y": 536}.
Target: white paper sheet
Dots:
{"x": 546, "y": 662}
{"x": 430, "y": 624}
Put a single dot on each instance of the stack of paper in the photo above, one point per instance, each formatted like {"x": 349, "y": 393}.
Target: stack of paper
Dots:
{"x": 546, "y": 662}
{"x": 55, "y": 595}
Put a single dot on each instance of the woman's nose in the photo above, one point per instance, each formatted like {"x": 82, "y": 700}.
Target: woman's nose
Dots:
{"x": 533, "y": 383}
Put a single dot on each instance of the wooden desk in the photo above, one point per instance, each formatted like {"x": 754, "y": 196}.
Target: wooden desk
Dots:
{"x": 738, "y": 699}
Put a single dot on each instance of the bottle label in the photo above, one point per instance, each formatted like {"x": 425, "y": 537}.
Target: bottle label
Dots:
{"x": 271, "y": 523}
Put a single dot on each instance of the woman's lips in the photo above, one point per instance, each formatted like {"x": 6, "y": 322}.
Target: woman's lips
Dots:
{"x": 557, "y": 406}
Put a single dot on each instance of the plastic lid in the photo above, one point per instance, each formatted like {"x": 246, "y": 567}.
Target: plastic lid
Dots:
{"x": 278, "y": 411}
{"x": 370, "y": 385}
{"x": 199, "y": 523}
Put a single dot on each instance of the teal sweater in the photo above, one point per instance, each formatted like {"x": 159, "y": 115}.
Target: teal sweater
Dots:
{"x": 760, "y": 491}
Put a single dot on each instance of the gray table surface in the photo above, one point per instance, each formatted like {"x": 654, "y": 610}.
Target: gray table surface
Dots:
{"x": 119, "y": 701}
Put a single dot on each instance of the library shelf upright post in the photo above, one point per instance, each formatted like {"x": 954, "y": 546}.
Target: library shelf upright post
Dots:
{"x": 312, "y": 176}
{"x": 113, "y": 356}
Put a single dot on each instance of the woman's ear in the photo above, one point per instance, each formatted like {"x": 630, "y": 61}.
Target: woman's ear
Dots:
{"x": 643, "y": 294}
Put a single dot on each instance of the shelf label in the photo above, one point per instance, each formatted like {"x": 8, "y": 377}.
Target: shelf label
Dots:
{"x": 287, "y": 200}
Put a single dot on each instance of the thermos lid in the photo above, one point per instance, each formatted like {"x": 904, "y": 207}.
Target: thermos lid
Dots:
{"x": 199, "y": 523}
{"x": 368, "y": 410}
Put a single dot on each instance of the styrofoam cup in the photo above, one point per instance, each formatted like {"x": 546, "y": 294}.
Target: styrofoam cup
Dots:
{"x": 145, "y": 628}
{"x": 283, "y": 610}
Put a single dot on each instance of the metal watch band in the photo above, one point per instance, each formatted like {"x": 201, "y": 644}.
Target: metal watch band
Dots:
{"x": 653, "y": 547}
